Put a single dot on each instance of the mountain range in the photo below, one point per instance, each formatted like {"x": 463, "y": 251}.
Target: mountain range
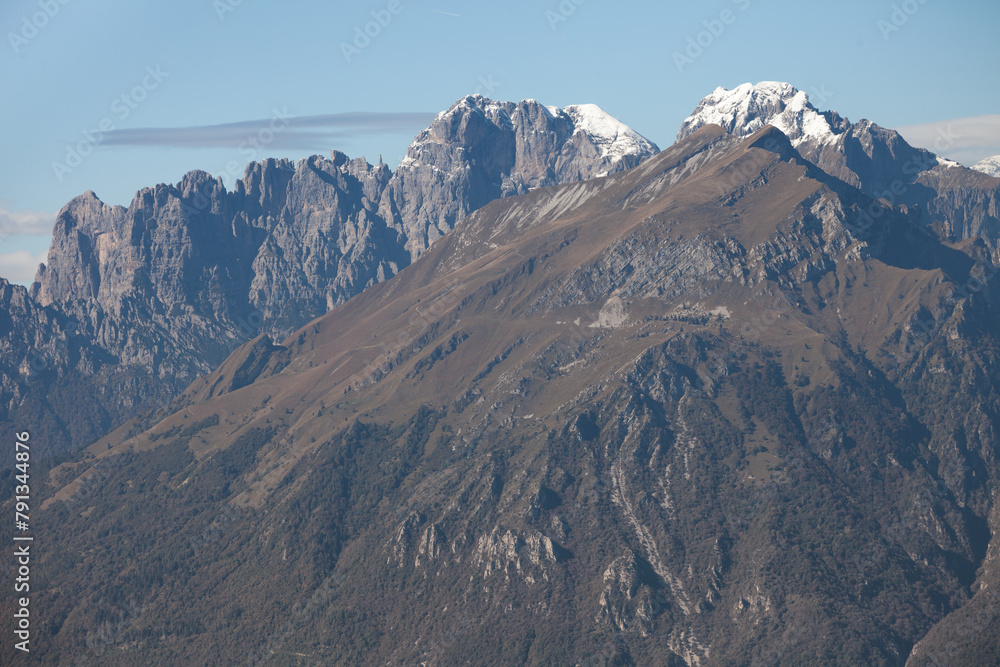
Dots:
{"x": 552, "y": 397}
{"x": 140, "y": 301}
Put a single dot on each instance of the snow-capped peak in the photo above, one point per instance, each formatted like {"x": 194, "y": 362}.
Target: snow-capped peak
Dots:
{"x": 612, "y": 137}
{"x": 989, "y": 166}
{"x": 615, "y": 142}
{"x": 747, "y": 108}
{"x": 497, "y": 112}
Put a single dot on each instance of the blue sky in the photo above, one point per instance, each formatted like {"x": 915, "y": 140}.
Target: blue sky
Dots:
{"x": 211, "y": 76}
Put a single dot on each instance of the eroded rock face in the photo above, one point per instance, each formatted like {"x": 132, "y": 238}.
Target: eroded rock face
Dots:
{"x": 41, "y": 352}
{"x": 630, "y": 600}
{"x": 327, "y": 244}
{"x": 480, "y": 150}
{"x": 511, "y": 553}
{"x": 168, "y": 287}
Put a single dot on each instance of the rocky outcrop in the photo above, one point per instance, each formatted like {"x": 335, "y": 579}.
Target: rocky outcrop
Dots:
{"x": 42, "y": 352}
{"x": 327, "y": 243}
{"x": 480, "y": 150}
{"x": 632, "y": 597}
{"x": 966, "y": 203}
{"x": 510, "y": 553}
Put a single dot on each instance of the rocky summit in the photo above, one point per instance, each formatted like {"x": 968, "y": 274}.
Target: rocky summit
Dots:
{"x": 480, "y": 150}
{"x": 725, "y": 407}
{"x": 962, "y": 203}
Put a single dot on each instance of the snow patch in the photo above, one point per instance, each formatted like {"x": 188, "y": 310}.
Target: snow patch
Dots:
{"x": 747, "y": 108}
{"x": 989, "y": 166}
{"x": 613, "y": 138}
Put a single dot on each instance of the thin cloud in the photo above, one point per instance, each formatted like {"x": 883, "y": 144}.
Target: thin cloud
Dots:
{"x": 28, "y": 223}
{"x": 966, "y": 140}
{"x": 301, "y": 132}
{"x": 20, "y": 266}
{"x": 441, "y": 11}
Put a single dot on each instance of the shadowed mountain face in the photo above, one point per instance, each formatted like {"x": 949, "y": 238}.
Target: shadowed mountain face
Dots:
{"x": 165, "y": 289}
{"x": 722, "y": 408}
{"x": 35, "y": 340}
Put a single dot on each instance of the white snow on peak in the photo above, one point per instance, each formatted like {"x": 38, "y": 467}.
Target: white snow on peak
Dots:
{"x": 491, "y": 108}
{"x": 612, "y": 137}
{"x": 596, "y": 121}
{"x": 747, "y": 108}
{"x": 989, "y": 166}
